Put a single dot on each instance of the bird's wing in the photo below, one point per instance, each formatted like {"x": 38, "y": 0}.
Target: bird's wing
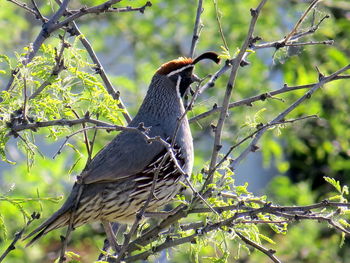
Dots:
{"x": 126, "y": 155}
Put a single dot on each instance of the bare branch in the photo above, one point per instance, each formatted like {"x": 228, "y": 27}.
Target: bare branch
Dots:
{"x": 65, "y": 239}
{"x": 217, "y": 15}
{"x": 38, "y": 13}
{"x": 24, "y": 6}
{"x": 197, "y": 27}
{"x": 262, "y": 97}
{"x": 259, "y": 128}
{"x": 300, "y": 21}
{"x": 269, "y": 252}
{"x": 102, "y": 8}
{"x": 140, "y": 9}
{"x": 18, "y": 236}
{"x": 63, "y": 122}
{"x": 230, "y": 85}
{"x": 283, "y": 114}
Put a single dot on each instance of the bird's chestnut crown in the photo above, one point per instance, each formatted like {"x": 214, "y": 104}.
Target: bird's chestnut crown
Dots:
{"x": 183, "y": 68}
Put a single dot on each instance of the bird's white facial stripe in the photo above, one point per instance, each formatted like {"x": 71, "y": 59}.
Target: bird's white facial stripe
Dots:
{"x": 179, "y": 70}
{"x": 178, "y": 87}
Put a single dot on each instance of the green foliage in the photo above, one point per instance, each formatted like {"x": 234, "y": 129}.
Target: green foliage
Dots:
{"x": 76, "y": 86}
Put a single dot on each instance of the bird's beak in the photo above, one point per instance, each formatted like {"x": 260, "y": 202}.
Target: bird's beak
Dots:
{"x": 195, "y": 78}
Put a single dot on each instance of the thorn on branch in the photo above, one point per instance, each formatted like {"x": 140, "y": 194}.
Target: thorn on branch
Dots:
{"x": 254, "y": 148}
{"x": 97, "y": 69}
{"x": 142, "y": 9}
{"x": 279, "y": 45}
{"x": 253, "y": 40}
{"x": 83, "y": 9}
{"x": 320, "y": 75}
{"x": 272, "y": 251}
{"x": 139, "y": 216}
{"x": 259, "y": 126}
{"x": 325, "y": 202}
{"x": 45, "y": 31}
{"x": 264, "y": 96}
{"x": 87, "y": 115}
{"x": 106, "y": 6}
{"x": 141, "y": 127}
{"x": 35, "y": 215}
{"x": 116, "y": 95}
{"x": 72, "y": 31}
{"x": 244, "y": 63}
{"x": 268, "y": 204}
{"x": 199, "y": 231}
{"x": 253, "y": 12}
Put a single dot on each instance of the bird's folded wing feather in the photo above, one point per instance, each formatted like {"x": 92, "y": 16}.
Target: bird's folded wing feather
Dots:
{"x": 126, "y": 155}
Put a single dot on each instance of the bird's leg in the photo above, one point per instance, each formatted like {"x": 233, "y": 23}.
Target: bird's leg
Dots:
{"x": 110, "y": 236}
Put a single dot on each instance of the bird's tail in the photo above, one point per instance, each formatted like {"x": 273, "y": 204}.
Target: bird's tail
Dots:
{"x": 57, "y": 220}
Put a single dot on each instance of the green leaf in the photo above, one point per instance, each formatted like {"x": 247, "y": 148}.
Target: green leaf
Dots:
{"x": 334, "y": 183}
{"x": 267, "y": 239}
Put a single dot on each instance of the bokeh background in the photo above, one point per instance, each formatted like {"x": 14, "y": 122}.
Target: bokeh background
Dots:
{"x": 291, "y": 163}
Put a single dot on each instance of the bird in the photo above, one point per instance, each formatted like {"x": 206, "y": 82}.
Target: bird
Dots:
{"x": 117, "y": 182}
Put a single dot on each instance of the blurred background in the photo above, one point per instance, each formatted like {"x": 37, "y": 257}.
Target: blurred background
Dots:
{"x": 291, "y": 163}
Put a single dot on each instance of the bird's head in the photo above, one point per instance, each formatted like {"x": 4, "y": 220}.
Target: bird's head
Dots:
{"x": 180, "y": 71}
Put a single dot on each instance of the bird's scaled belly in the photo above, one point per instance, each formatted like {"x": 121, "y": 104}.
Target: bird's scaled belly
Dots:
{"x": 124, "y": 207}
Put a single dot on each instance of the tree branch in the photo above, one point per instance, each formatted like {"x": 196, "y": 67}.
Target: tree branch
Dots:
{"x": 261, "y": 97}
{"x": 223, "y": 113}
{"x": 283, "y": 114}
{"x": 197, "y": 27}
{"x": 269, "y": 252}
{"x": 18, "y": 236}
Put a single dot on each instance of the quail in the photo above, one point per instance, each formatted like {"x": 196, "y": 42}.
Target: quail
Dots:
{"x": 117, "y": 181}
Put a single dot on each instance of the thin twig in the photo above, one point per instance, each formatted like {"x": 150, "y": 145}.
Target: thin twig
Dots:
{"x": 38, "y": 13}
{"x": 65, "y": 239}
{"x": 197, "y": 28}
{"x": 18, "y": 236}
{"x": 223, "y": 113}
{"x": 107, "y": 128}
{"x": 86, "y": 138}
{"x": 140, "y": 9}
{"x": 92, "y": 143}
{"x": 261, "y": 97}
{"x": 268, "y": 252}
{"x": 219, "y": 24}
{"x": 102, "y": 8}
{"x": 63, "y": 122}
{"x": 25, "y": 99}
{"x": 283, "y": 114}
{"x": 268, "y": 125}
{"x": 300, "y": 21}
{"x": 24, "y": 6}
{"x": 57, "y": 68}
